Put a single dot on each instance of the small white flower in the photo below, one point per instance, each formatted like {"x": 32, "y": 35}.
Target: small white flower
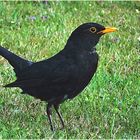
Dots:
{"x": 137, "y": 11}
{"x": 139, "y": 38}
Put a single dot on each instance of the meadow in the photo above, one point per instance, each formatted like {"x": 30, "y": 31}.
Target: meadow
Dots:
{"x": 109, "y": 107}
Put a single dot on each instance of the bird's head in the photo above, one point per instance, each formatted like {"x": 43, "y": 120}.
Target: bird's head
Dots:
{"x": 87, "y": 35}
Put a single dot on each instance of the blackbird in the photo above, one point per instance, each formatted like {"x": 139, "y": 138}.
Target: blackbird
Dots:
{"x": 64, "y": 75}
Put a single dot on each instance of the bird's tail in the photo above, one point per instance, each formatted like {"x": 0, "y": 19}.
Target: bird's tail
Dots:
{"x": 17, "y": 62}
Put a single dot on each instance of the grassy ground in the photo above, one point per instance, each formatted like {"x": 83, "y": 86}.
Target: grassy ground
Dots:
{"x": 110, "y": 106}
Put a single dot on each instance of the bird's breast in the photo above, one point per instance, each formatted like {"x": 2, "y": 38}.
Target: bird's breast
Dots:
{"x": 88, "y": 63}
{"x": 87, "y": 67}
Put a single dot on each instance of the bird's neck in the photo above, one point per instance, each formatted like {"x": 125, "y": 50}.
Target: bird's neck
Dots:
{"x": 81, "y": 44}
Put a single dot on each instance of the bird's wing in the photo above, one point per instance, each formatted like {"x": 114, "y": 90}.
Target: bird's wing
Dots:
{"x": 39, "y": 75}
{"x": 25, "y": 83}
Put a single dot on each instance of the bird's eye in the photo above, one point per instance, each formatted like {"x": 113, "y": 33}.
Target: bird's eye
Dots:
{"x": 92, "y": 29}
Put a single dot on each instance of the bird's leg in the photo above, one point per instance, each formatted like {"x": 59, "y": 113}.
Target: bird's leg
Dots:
{"x": 48, "y": 111}
{"x": 56, "y": 107}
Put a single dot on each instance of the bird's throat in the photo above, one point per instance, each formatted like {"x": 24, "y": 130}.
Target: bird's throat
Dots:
{"x": 93, "y": 50}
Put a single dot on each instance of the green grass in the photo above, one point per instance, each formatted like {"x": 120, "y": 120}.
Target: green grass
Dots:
{"x": 110, "y": 106}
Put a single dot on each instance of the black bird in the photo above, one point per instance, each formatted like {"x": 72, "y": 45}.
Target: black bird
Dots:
{"x": 64, "y": 75}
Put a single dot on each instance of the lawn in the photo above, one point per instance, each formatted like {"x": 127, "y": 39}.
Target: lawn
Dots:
{"x": 110, "y": 105}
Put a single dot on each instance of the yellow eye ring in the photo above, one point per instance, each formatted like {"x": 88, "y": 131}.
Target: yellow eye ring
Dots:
{"x": 92, "y": 29}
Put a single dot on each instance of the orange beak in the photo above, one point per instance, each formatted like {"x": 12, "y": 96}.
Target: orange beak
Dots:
{"x": 107, "y": 30}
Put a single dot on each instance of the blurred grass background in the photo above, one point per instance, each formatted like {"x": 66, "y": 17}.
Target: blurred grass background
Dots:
{"x": 110, "y": 106}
